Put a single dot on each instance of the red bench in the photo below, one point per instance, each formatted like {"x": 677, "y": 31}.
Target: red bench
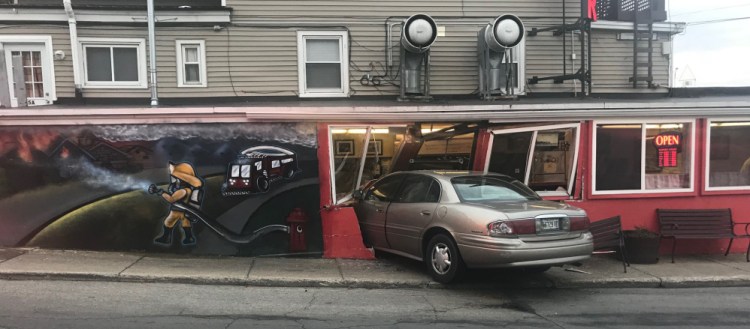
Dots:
{"x": 700, "y": 224}
{"x": 608, "y": 235}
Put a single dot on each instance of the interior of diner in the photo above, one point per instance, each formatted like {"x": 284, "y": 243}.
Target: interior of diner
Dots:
{"x": 365, "y": 152}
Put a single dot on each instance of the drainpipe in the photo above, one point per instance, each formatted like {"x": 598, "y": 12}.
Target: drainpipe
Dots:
{"x": 152, "y": 51}
{"x": 74, "y": 46}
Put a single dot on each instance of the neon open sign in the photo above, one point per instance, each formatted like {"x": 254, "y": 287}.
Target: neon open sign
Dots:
{"x": 667, "y": 139}
{"x": 668, "y": 144}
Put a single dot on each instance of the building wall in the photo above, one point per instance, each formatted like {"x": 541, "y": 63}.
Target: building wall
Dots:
{"x": 94, "y": 182}
{"x": 257, "y": 54}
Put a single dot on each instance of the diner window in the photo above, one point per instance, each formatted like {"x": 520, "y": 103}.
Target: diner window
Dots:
{"x": 323, "y": 63}
{"x": 451, "y": 152}
{"x": 543, "y": 157}
{"x": 643, "y": 157}
{"x": 361, "y": 154}
{"x": 191, "y": 63}
{"x": 114, "y": 63}
{"x": 728, "y": 155}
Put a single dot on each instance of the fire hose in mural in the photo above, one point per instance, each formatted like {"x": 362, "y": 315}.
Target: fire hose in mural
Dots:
{"x": 195, "y": 215}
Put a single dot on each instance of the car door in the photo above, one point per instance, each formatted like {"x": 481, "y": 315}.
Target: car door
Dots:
{"x": 410, "y": 212}
{"x": 371, "y": 210}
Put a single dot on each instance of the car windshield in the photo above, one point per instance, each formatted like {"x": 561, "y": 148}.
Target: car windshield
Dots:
{"x": 492, "y": 188}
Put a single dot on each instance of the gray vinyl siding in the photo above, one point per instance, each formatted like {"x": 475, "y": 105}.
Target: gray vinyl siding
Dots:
{"x": 357, "y": 8}
{"x": 257, "y": 54}
{"x": 612, "y": 64}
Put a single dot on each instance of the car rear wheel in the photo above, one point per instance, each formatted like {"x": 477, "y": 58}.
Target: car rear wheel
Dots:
{"x": 442, "y": 259}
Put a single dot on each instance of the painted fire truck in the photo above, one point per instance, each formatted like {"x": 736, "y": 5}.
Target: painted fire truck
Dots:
{"x": 256, "y": 168}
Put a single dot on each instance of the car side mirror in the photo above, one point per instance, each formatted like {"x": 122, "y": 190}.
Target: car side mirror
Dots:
{"x": 357, "y": 194}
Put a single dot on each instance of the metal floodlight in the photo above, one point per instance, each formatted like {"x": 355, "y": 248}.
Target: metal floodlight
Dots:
{"x": 505, "y": 31}
{"x": 418, "y": 33}
{"x": 494, "y": 50}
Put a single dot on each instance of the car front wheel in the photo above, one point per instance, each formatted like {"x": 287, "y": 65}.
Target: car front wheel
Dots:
{"x": 442, "y": 259}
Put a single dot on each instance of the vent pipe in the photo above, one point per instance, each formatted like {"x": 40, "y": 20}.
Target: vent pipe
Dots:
{"x": 152, "y": 51}
{"x": 75, "y": 57}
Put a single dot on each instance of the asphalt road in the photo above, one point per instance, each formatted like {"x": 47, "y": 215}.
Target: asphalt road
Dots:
{"x": 71, "y": 304}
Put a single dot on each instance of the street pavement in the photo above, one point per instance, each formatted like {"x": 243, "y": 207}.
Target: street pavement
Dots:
{"x": 601, "y": 271}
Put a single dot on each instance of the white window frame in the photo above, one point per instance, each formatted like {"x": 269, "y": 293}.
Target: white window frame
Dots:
{"x": 530, "y": 159}
{"x": 643, "y": 123}
{"x": 708, "y": 157}
{"x": 138, "y": 43}
{"x": 368, "y": 131}
{"x": 343, "y": 38}
{"x": 180, "y": 52}
{"x": 12, "y": 43}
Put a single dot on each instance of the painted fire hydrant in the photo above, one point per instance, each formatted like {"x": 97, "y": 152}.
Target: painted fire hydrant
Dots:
{"x": 297, "y": 221}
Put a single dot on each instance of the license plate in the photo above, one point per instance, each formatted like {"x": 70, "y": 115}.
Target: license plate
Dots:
{"x": 549, "y": 224}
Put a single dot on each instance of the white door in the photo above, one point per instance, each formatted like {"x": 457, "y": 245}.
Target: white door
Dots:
{"x": 36, "y": 73}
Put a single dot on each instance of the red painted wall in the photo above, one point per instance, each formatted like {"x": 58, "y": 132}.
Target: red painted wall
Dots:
{"x": 341, "y": 235}
{"x": 640, "y": 209}
{"x": 642, "y": 212}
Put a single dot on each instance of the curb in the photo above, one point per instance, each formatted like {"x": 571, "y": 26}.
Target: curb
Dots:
{"x": 548, "y": 283}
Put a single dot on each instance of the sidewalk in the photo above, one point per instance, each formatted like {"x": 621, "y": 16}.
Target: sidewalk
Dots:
{"x": 388, "y": 272}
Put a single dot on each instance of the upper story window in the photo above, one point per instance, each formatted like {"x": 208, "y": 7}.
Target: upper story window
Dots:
{"x": 113, "y": 63}
{"x": 728, "y": 153}
{"x": 191, "y": 63}
{"x": 323, "y": 63}
{"x": 643, "y": 157}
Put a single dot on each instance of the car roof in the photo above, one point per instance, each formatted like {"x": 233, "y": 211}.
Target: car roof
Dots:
{"x": 448, "y": 174}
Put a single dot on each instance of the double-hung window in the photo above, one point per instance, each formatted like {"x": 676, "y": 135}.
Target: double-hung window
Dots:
{"x": 728, "y": 152}
{"x": 114, "y": 63}
{"x": 191, "y": 63}
{"x": 323, "y": 63}
{"x": 643, "y": 157}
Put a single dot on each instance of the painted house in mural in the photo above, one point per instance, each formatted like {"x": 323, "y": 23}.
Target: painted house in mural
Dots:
{"x": 589, "y": 83}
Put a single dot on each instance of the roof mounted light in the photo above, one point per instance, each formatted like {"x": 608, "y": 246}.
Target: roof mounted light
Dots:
{"x": 418, "y": 33}
{"x": 505, "y": 31}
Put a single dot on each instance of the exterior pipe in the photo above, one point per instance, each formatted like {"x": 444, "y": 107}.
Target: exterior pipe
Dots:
{"x": 75, "y": 57}
{"x": 152, "y": 51}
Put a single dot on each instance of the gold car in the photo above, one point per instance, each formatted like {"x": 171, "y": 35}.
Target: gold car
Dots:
{"x": 454, "y": 220}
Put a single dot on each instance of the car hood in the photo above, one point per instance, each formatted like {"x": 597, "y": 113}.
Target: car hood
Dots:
{"x": 527, "y": 209}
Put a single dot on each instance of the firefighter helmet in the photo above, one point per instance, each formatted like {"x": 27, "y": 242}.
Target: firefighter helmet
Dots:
{"x": 185, "y": 172}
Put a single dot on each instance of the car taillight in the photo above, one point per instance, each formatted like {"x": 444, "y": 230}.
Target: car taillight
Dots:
{"x": 511, "y": 228}
{"x": 579, "y": 223}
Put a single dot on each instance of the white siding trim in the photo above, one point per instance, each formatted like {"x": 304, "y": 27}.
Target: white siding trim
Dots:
{"x": 181, "y": 63}
{"x": 664, "y": 27}
{"x": 138, "y": 43}
{"x": 343, "y": 38}
{"x": 108, "y": 16}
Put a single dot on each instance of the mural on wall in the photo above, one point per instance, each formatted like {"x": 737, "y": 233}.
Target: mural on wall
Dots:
{"x": 234, "y": 189}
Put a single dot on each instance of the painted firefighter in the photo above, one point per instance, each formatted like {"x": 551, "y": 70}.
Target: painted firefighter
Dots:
{"x": 184, "y": 188}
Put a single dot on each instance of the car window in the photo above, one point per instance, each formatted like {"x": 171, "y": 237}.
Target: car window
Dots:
{"x": 385, "y": 189}
{"x": 433, "y": 195}
{"x": 492, "y": 188}
{"x": 418, "y": 188}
